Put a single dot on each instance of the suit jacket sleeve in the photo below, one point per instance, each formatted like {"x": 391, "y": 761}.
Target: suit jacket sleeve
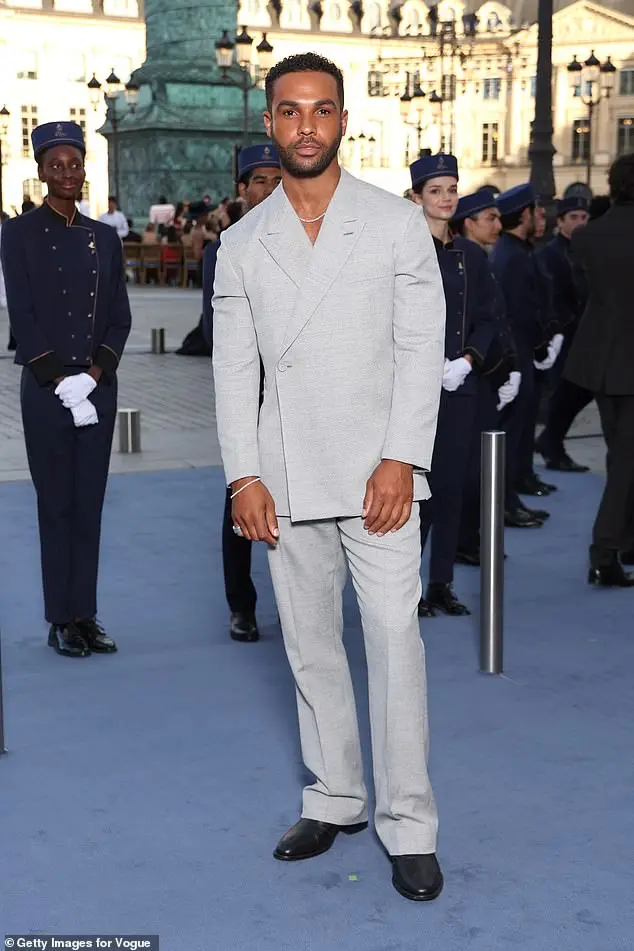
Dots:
{"x": 484, "y": 326}
{"x": 209, "y": 272}
{"x": 524, "y": 300}
{"x": 38, "y": 354}
{"x": 110, "y": 350}
{"x": 419, "y": 348}
{"x": 236, "y": 365}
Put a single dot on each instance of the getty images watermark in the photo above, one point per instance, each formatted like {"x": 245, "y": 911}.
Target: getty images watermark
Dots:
{"x": 80, "y": 942}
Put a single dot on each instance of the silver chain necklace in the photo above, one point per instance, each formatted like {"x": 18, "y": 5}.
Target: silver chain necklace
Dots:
{"x": 308, "y": 221}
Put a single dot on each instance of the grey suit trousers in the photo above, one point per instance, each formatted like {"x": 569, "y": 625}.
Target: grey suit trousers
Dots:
{"x": 308, "y": 568}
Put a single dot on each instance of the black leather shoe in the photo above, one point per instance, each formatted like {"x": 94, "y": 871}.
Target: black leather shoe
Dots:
{"x": 533, "y": 487}
{"x": 65, "y": 639}
{"x": 627, "y": 557}
{"x": 425, "y": 609}
{"x": 95, "y": 636}
{"x": 610, "y": 576}
{"x": 310, "y": 837}
{"x": 243, "y": 626}
{"x": 441, "y": 596}
{"x": 520, "y": 518}
{"x": 565, "y": 464}
{"x": 470, "y": 558}
{"x": 540, "y": 514}
{"x": 417, "y": 877}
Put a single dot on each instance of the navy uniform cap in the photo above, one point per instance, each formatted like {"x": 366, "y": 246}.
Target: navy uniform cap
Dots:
{"x": 572, "y": 203}
{"x": 433, "y": 166}
{"x": 257, "y": 156}
{"x": 516, "y": 199}
{"x": 50, "y": 134}
{"x": 475, "y": 203}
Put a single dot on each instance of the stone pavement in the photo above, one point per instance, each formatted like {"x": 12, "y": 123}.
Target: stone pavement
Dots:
{"x": 175, "y": 396}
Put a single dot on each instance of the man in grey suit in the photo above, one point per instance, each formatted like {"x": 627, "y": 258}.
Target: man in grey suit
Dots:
{"x": 334, "y": 284}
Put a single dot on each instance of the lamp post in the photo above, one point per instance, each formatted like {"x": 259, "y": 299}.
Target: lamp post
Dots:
{"x": 4, "y": 128}
{"x": 114, "y": 88}
{"x": 595, "y": 82}
{"x": 541, "y": 149}
{"x": 412, "y": 109}
{"x": 247, "y": 80}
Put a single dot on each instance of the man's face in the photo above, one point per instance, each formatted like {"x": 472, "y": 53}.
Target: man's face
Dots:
{"x": 527, "y": 221}
{"x": 484, "y": 227}
{"x": 262, "y": 182}
{"x": 571, "y": 221}
{"x": 62, "y": 171}
{"x": 539, "y": 221}
{"x": 112, "y": 206}
{"x": 306, "y": 122}
{"x": 439, "y": 198}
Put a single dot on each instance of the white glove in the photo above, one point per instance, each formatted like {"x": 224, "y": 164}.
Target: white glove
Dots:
{"x": 74, "y": 389}
{"x": 509, "y": 390}
{"x": 84, "y": 414}
{"x": 455, "y": 373}
{"x": 556, "y": 343}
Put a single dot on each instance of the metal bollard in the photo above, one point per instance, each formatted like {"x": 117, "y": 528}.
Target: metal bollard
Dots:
{"x": 129, "y": 430}
{"x": 2, "y": 746}
{"x": 492, "y": 552}
{"x": 158, "y": 340}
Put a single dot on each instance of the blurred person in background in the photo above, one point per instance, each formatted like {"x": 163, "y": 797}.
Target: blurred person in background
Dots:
{"x": 115, "y": 218}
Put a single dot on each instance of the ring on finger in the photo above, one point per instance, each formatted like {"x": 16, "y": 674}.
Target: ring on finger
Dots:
{"x": 237, "y": 531}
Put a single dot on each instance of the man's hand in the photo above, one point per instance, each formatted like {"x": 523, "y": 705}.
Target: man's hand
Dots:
{"x": 388, "y": 497}
{"x": 253, "y": 511}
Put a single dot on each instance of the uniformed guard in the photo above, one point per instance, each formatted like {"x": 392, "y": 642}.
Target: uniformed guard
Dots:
{"x": 519, "y": 278}
{"x": 259, "y": 174}
{"x": 69, "y": 310}
{"x": 570, "y": 296}
{"x": 469, "y": 331}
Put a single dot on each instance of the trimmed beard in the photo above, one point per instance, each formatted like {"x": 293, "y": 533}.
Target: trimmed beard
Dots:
{"x": 321, "y": 161}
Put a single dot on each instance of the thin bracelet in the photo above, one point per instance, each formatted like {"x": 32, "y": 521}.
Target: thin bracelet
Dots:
{"x": 253, "y": 481}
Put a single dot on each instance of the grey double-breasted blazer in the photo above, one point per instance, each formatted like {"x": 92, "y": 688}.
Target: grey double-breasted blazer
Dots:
{"x": 351, "y": 335}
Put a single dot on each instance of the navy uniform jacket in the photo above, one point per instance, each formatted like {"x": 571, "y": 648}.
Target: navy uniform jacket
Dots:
{"x": 525, "y": 293}
{"x": 209, "y": 272}
{"x": 569, "y": 293}
{"x": 502, "y": 357}
{"x": 66, "y": 294}
{"x": 470, "y": 325}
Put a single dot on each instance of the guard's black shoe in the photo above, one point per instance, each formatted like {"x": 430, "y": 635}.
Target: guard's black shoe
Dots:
{"x": 417, "y": 877}
{"x": 425, "y": 609}
{"x": 470, "y": 558}
{"x": 610, "y": 576}
{"x": 540, "y": 514}
{"x": 441, "y": 596}
{"x": 565, "y": 464}
{"x": 627, "y": 557}
{"x": 65, "y": 639}
{"x": 533, "y": 486}
{"x": 243, "y": 626}
{"x": 520, "y": 518}
{"x": 310, "y": 837}
{"x": 95, "y": 636}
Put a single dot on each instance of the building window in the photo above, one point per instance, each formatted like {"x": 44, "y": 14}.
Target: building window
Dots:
{"x": 32, "y": 188}
{"x": 493, "y": 23}
{"x": 626, "y": 82}
{"x": 533, "y": 86}
{"x": 27, "y": 65}
{"x": 448, "y": 88}
{"x": 375, "y": 82}
{"x": 79, "y": 116}
{"x": 587, "y": 90}
{"x": 625, "y": 136}
{"x": 492, "y": 88}
{"x": 29, "y": 122}
{"x": 490, "y": 138}
{"x": 580, "y": 140}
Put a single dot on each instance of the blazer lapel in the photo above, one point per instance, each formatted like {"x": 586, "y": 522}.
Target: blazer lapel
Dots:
{"x": 284, "y": 238}
{"x": 337, "y": 238}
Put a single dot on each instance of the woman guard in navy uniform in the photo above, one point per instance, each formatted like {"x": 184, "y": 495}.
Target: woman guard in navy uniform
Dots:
{"x": 69, "y": 310}
{"x": 469, "y": 331}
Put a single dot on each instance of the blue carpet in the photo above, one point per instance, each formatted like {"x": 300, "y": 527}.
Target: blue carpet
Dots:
{"x": 145, "y": 792}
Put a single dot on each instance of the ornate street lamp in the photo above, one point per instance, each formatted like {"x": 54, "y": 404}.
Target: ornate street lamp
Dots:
{"x": 250, "y": 74}
{"x": 113, "y": 89}
{"x": 4, "y": 128}
{"x": 592, "y": 81}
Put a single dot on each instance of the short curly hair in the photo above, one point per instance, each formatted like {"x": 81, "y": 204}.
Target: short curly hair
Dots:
{"x": 302, "y": 63}
{"x": 621, "y": 179}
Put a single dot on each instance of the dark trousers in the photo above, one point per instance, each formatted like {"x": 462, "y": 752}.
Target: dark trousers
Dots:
{"x": 441, "y": 513}
{"x": 69, "y": 468}
{"x": 565, "y": 404}
{"x": 486, "y": 418}
{"x": 514, "y": 419}
{"x": 526, "y": 449}
{"x": 236, "y": 563}
{"x": 613, "y": 529}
